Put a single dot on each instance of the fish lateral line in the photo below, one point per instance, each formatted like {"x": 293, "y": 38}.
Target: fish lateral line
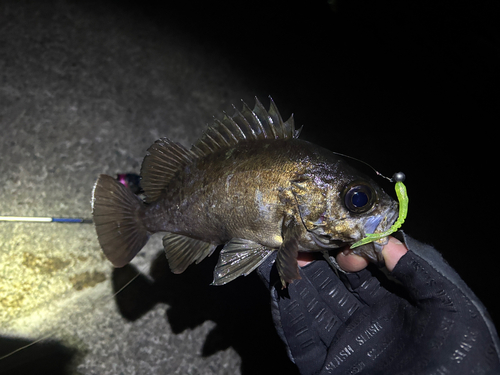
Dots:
{"x": 403, "y": 199}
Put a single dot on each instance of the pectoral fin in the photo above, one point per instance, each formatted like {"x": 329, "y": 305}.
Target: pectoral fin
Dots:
{"x": 181, "y": 251}
{"x": 286, "y": 260}
{"x": 239, "y": 257}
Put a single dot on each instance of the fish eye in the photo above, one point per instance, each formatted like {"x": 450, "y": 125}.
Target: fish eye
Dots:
{"x": 359, "y": 197}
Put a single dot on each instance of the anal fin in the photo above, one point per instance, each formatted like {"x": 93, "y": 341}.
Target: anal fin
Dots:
{"x": 239, "y": 257}
{"x": 181, "y": 251}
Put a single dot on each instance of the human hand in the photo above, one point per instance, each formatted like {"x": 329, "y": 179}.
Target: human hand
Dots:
{"x": 351, "y": 262}
{"x": 427, "y": 321}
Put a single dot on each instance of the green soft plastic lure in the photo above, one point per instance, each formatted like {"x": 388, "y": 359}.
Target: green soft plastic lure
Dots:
{"x": 403, "y": 211}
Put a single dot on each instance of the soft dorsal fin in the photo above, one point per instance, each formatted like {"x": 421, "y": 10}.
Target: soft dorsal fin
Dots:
{"x": 163, "y": 160}
{"x": 245, "y": 125}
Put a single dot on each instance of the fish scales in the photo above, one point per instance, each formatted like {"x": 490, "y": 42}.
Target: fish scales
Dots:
{"x": 248, "y": 183}
{"x": 251, "y": 185}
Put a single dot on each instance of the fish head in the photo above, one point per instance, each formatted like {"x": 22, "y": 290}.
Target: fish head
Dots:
{"x": 341, "y": 206}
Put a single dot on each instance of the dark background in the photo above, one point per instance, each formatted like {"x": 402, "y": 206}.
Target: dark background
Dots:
{"x": 408, "y": 85}
{"x": 402, "y": 85}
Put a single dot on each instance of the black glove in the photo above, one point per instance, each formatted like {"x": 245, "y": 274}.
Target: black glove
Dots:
{"x": 426, "y": 321}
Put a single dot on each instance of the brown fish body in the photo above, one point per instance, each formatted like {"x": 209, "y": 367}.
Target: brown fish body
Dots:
{"x": 244, "y": 192}
{"x": 248, "y": 183}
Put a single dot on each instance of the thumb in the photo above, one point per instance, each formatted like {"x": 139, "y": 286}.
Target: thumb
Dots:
{"x": 392, "y": 252}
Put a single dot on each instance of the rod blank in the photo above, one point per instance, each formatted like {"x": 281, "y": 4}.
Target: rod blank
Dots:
{"x": 42, "y": 219}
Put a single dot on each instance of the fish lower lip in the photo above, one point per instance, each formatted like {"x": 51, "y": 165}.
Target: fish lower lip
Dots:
{"x": 386, "y": 224}
{"x": 381, "y": 224}
{"x": 320, "y": 243}
{"x": 392, "y": 220}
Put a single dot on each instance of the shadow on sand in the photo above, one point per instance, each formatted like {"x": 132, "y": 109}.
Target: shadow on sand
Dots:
{"x": 48, "y": 357}
{"x": 240, "y": 310}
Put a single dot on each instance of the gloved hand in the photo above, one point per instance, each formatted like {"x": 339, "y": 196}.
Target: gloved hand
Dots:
{"x": 425, "y": 321}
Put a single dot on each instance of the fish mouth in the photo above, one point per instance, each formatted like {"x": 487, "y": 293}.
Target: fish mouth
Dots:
{"x": 382, "y": 223}
{"x": 373, "y": 224}
{"x": 377, "y": 224}
{"x": 387, "y": 222}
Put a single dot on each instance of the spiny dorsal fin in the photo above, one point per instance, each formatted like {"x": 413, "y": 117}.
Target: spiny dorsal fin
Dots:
{"x": 163, "y": 160}
{"x": 165, "y": 157}
{"x": 245, "y": 126}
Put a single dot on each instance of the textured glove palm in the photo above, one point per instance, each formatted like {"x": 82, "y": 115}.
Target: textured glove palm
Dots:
{"x": 426, "y": 322}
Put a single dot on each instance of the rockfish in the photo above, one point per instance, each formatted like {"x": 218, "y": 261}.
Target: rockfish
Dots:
{"x": 248, "y": 183}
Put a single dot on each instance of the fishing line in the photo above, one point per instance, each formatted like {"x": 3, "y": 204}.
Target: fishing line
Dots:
{"x": 102, "y": 301}
{"x": 365, "y": 163}
{"x": 401, "y": 193}
{"x": 27, "y": 346}
{"x": 129, "y": 180}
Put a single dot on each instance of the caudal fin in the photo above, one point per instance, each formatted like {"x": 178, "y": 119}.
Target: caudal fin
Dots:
{"x": 119, "y": 230}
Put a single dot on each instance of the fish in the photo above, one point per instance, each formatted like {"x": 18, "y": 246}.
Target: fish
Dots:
{"x": 249, "y": 183}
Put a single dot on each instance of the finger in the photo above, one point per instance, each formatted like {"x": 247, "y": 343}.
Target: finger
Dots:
{"x": 393, "y": 252}
{"x": 430, "y": 279}
{"x": 330, "y": 289}
{"x": 351, "y": 262}
{"x": 303, "y": 263}
{"x": 365, "y": 285}
{"x": 304, "y": 258}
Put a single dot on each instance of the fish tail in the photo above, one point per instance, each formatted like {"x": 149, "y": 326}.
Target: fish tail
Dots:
{"x": 115, "y": 211}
